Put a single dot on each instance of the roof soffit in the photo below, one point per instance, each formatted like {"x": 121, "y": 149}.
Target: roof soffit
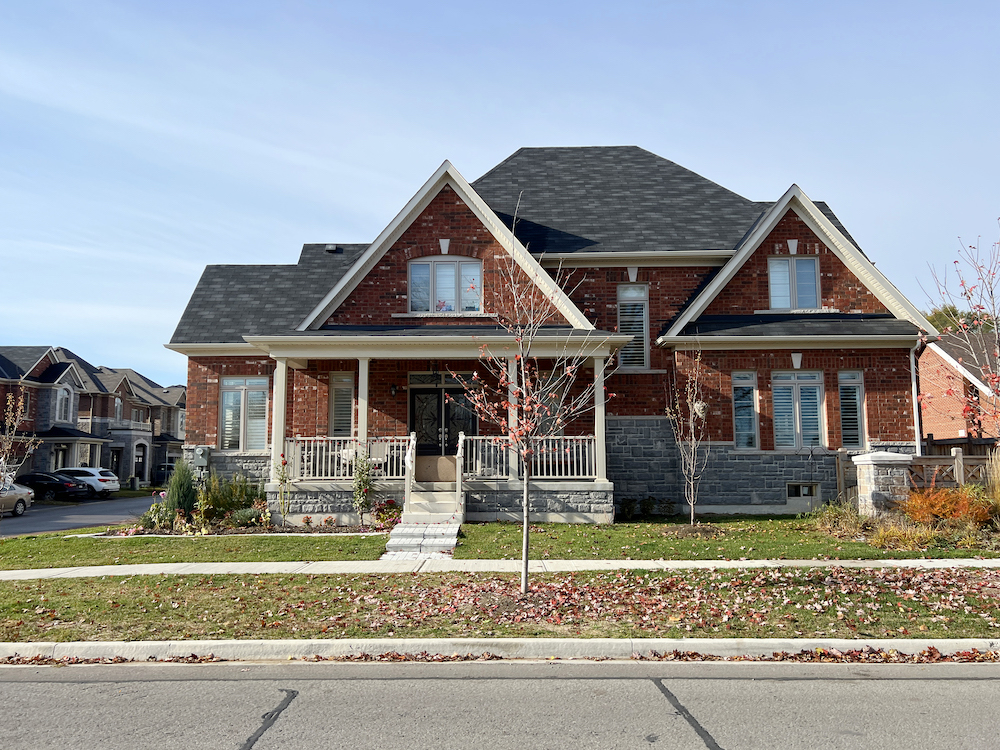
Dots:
{"x": 445, "y": 175}
{"x": 833, "y": 238}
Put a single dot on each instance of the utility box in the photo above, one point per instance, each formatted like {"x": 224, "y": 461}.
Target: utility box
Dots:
{"x": 200, "y": 458}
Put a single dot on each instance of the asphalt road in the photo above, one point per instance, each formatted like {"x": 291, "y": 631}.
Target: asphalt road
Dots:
{"x": 499, "y": 706}
{"x": 64, "y": 517}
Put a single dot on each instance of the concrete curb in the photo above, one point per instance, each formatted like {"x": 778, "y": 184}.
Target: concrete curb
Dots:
{"x": 507, "y": 648}
{"x": 331, "y": 567}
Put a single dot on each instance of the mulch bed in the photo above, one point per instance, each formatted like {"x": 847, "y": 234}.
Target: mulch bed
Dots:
{"x": 245, "y": 530}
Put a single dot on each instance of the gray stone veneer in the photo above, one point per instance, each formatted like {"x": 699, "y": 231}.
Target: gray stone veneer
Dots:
{"x": 643, "y": 462}
{"x": 256, "y": 466}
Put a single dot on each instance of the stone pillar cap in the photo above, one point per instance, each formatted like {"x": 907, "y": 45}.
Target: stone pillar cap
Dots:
{"x": 881, "y": 457}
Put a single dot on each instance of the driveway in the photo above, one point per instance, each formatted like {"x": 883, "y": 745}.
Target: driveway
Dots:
{"x": 40, "y": 518}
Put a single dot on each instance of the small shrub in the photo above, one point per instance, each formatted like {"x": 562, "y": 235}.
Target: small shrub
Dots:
{"x": 181, "y": 494}
{"x": 157, "y": 517}
{"x": 307, "y": 521}
{"x": 626, "y": 511}
{"x": 221, "y": 496}
{"x": 364, "y": 486}
{"x": 244, "y": 517}
{"x": 647, "y": 506}
{"x": 841, "y": 518}
{"x": 935, "y": 504}
{"x": 329, "y": 521}
{"x": 386, "y": 514}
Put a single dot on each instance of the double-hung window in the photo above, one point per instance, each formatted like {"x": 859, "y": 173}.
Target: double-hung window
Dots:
{"x": 852, "y": 407}
{"x": 442, "y": 286}
{"x": 745, "y": 410}
{"x": 62, "y": 405}
{"x": 341, "y": 404}
{"x": 633, "y": 319}
{"x": 798, "y": 402}
{"x": 794, "y": 283}
{"x": 244, "y": 414}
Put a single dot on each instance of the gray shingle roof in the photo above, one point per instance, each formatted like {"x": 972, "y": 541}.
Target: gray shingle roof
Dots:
{"x": 15, "y": 361}
{"x": 613, "y": 199}
{"x": 231, "y": 302}
{"x": 817, "y": 324}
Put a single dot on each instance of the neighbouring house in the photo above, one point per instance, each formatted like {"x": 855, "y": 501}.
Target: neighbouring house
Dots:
{"x": 806, "y": 347}
{"x": 93, "y": 416}
{"x": 957, "y": 404}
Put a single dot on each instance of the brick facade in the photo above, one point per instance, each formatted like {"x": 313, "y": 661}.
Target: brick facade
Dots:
{"x": 748, "y": 290}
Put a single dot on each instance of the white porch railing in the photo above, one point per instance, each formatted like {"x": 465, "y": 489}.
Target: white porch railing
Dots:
{"x": 562, "y": 457}
{"x": 409, "y": 465}
{"x": 332, "y": 458}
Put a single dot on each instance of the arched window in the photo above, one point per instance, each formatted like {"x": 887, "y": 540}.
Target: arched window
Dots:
{"x": 446, "y": 284}
{"x": 62, "y": 405}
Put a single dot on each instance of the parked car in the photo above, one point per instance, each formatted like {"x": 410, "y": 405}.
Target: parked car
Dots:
{"x": 50, "y": 485}
{"x": 99, "y": 481}
{"x": 15, "y": 498}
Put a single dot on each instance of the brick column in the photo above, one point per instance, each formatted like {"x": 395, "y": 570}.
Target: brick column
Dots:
{"x": 883, "y": 481}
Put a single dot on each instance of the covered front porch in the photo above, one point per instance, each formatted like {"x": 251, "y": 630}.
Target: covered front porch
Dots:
{"x": 408, "y": 417}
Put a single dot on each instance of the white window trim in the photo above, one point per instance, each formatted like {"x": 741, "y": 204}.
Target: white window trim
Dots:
{"x": 855, "y": 379}
{"x": 796, "y": 385}
{"x": 744, "y": 379}
{"x": 433, "y": 261}
{"x": 792, "y": 290}
{"x": 339, "y": 382}
{"x": 645, "y": 323}
{"x": 64, "y": 408}
{"x": 244, "y": 389}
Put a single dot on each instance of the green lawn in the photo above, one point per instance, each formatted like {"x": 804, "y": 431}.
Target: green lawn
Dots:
{"x": 57, "y": 551}
{"x": 741, "y": 537}
{"x": 834, "y": 603}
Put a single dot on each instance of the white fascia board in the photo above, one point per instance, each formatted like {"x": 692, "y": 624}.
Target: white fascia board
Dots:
{"x": 962, "y": 369}
{"x": 710, "y": 343}
{"x": 71, "y": 370}
{"x": 446, "y": 174}
{"x": 429, "y": 347}
{"x": 848, "y": 253}
{"x": 213, "y": 350}
{"x": 646, "y": 259}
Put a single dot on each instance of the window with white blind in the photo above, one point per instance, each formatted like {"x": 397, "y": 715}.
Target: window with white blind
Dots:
{"x": 794, "y": 283}
{"x": 243, "y": 414}
{"x": 852, "y": 409}
{"x": 633, "y": 320}
{"x": 341, "y": 404}
{"x": 745, "y": 410}
{"x": 797, "y": 398}
{"x": 440, "y": 285}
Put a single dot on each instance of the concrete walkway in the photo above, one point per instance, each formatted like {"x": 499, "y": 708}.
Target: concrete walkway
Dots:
{"x": 449, "y": 565}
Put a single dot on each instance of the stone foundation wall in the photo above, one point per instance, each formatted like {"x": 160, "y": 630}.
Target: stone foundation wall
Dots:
{"x": 255, "y": 466}
{"x": 572, "y": 502}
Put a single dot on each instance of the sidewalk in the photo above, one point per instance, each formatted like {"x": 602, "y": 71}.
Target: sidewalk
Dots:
{"x": 333, "y": 567}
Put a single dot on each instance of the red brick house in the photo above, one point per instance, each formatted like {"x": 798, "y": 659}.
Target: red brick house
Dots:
{"x": 807, "y": 347}
{"x": 955, "y": 398}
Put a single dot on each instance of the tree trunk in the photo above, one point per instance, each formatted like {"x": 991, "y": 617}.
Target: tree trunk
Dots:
{"x": 526, "y": 473}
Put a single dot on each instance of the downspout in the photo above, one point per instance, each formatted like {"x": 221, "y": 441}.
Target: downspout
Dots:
{"x": 917, "y": 432}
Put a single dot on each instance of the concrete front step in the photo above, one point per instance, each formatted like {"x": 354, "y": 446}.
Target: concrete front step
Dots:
{"x": 422, "y": 538}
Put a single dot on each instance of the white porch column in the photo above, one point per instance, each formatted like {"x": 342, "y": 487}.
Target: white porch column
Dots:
{"x": 511, "y": 415}
{"x": 599, "y": 436}
{"x": 363, "y": 401}
{"x": 279, "y": 397}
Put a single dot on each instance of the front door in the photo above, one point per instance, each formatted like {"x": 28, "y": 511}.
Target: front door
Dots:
{"x": 437, "y": 415}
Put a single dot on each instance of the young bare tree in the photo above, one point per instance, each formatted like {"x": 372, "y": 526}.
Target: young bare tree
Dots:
{"x": 14, "y": 448}
{"x": 687, "y": 413}
{"x": 526, "y": 396}
{"x": 967, "y": 314}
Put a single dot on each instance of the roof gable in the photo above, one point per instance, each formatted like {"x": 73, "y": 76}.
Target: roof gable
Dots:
{"x": 830, "y": 235}
{"x": 445, "y": 176}
{"x": 17, "y": 362}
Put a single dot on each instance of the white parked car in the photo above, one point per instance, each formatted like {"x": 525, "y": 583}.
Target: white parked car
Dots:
{"x": 99, "y": 481}
{"x": 15, "y": 498}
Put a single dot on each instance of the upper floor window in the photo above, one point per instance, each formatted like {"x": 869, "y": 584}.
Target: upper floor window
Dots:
{"x": 794, "y": 283}
{"x": 244, "y": 414}
{"x": 633, "y": 319}
{"x": 444, "y": 285}
{"x": 798, "y": 401}
{"x": 62, "y": 405}
{"x": 745, "y": 409}
{"x": 118, "y": 409}
{"x": 852, "y": 401}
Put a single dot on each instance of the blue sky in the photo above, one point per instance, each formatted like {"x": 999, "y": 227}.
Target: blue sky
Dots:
{"x": 140, "y": 141}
